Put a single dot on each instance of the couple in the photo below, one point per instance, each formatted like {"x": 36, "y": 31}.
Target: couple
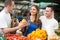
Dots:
{"x": 48, "y": 22}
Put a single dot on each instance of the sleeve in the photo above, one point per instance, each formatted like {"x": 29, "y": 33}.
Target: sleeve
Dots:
{"x": 56, "y": 25}
{"x": 3, "y": 23}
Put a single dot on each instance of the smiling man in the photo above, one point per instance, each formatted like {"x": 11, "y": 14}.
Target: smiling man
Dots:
{"x": 5, "y": 18}
{"x": 49, "y": 23}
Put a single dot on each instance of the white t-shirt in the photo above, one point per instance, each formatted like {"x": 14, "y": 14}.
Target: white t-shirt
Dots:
{"x": 49, "y": 25}
{"x": 5, "y": 20}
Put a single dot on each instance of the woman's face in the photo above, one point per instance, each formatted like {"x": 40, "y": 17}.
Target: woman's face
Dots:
{"x": 33, "y": 10}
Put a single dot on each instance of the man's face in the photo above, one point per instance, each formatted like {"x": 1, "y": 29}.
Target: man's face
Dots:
{"x": 11, "y": 7}
{"x": 48, "y": 12}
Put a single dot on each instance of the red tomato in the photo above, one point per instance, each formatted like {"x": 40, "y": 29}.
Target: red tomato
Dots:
{"x": 18, "y": 37}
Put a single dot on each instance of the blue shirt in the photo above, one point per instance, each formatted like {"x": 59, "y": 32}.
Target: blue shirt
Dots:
{"x": 31, "y": 28}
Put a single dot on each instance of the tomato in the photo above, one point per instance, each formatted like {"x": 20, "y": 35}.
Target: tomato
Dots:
{"x": 18, "y": 37}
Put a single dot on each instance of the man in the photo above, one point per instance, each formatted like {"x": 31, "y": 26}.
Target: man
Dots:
{"x": 5, "y": 18}
{"x": 49, "y": 23}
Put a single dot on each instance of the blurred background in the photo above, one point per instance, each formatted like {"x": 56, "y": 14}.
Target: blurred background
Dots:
{"x": 23, "y": 5}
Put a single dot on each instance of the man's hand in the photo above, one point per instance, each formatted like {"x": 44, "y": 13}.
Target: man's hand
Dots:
{"x": 22, "y": 25}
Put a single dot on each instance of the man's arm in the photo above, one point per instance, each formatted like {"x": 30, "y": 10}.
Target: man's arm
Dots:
{"x": 7, "y": 30}
{"x": 21, "y": 25}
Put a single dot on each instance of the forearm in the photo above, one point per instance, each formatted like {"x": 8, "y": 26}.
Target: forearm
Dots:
{"x": 7, "y": 30}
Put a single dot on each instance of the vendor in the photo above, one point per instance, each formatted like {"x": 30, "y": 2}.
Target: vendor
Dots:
{"x": 5, "y": 18}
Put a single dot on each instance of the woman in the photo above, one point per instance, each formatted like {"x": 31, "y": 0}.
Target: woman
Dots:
{"x": 33, "y": 20}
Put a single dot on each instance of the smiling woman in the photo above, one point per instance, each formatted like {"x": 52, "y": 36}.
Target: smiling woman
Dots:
{"x": 33, "y": 20}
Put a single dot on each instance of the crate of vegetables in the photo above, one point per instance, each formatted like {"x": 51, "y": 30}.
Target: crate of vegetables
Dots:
{"x": 16, "y": 37}
{"x": 38, "y": 35}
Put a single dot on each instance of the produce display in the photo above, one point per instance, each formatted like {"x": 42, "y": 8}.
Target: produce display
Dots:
{"x": 15, "y": 37}
{"x": 38, "y": 35}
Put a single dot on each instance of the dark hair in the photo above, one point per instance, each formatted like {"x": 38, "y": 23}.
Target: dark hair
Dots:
{"x": 51, "y": 6}
{"x": 37, "y": 21}
{"x": 8, "y": 2}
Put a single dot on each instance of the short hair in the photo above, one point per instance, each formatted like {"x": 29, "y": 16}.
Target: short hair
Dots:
{"x": 8, "y": 2}
{"x": 51, "y": 6}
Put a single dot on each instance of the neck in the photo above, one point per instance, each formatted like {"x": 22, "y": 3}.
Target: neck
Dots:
{"x": 32, "y": 18}
{"x": 32, "y": 15}
{"x": 6, "y": 10}
{"x": 49, "y": 17}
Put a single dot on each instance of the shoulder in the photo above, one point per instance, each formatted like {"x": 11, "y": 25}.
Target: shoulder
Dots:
{"x": 55, "y": 21}
{"x": 2, "y": 14}
{"x": 42, "y": 17}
